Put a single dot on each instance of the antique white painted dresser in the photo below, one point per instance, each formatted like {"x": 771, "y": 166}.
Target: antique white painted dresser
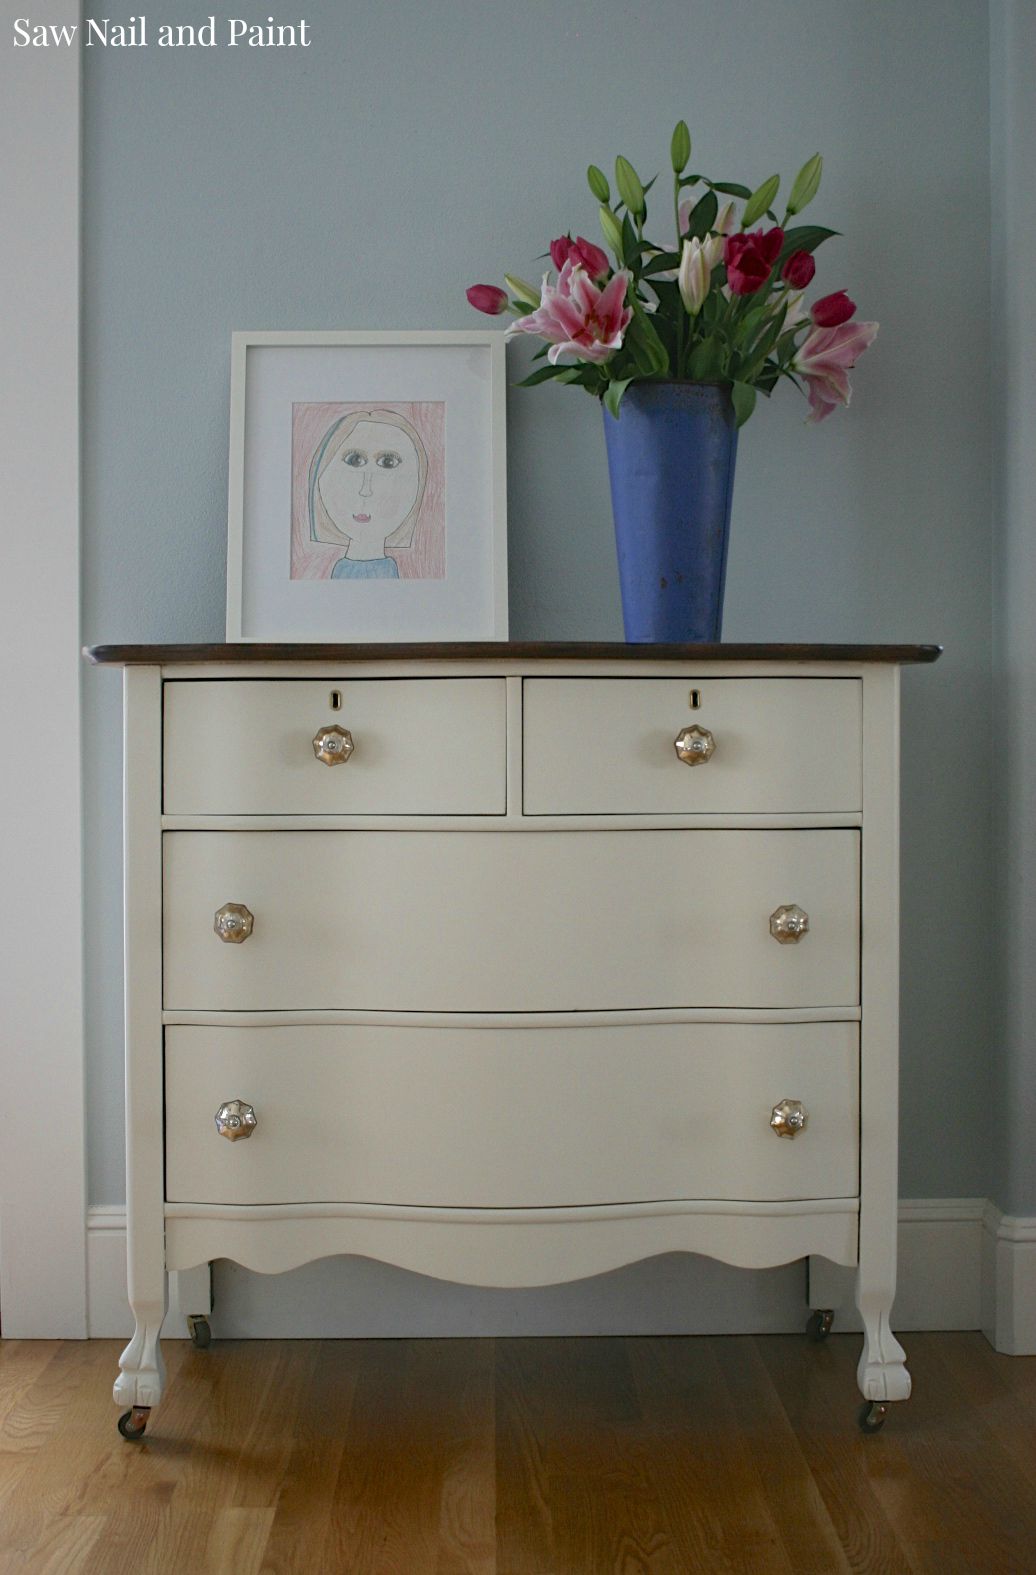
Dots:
{"x": 512, "y": 964}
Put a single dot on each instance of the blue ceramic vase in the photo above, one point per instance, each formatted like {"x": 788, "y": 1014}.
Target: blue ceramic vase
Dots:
{"x": 671, "y": 456}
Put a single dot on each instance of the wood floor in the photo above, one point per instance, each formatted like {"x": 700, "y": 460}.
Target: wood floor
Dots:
{"x": 518, "y": 1457}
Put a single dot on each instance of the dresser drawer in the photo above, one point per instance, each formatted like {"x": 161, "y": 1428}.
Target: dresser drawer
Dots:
{"x": 606, "y": 746}
{"x": 516, "y": 921}
{"x": 422, "y": 746}
{"x": 511, "y": 1117}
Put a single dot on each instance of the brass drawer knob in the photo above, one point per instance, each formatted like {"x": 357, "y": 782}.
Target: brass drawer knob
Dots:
{"x": 789, "y": 1118}
{"x": 333, "y": 745}
{"x": 233, "y": 923}
{"x": 235, "y": 1119}
{"x": 694, "y": 745}
{"x": 789, "y": 923}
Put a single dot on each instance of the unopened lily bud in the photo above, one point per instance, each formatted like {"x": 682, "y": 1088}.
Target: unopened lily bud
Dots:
{"x": 525, "y": 292}
{"x": 694, "y": 276}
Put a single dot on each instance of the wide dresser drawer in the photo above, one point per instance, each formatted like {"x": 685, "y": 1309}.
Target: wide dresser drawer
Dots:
{"x": 607, "y": 746}
{"x": 505, "y": 921}
{"x": 420, "y": 746}
{"x": 512, "y": 1117}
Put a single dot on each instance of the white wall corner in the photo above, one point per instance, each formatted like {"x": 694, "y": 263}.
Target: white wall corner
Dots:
{"x": 107, "y": 1302}
{"x": 1009, "y": 1282}
{"x": 939, "y": 1272}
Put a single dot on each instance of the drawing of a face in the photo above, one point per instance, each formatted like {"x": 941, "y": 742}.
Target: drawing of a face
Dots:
{"x": 369, "y": 482}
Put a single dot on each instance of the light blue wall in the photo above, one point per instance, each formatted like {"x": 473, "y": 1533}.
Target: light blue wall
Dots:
{"x": 416, "y": 149}
{"x": 1013, "y": 105}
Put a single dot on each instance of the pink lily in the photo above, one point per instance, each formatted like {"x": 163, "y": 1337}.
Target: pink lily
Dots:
{"x": 578, "y": 319}
{"x": 825, "y": 359}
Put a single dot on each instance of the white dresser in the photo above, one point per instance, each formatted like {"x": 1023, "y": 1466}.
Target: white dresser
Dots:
{"x": 511, "y": 964}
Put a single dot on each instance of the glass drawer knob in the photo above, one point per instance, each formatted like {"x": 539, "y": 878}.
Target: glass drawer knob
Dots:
{"x": 789, "y": 923}
{"x": 333, "y": 745}
{"x": 694, "y": 745}
{"x": 789, "y": 1118}
{"x": 233, "y": 923}
{"x": 235, "y": 1119}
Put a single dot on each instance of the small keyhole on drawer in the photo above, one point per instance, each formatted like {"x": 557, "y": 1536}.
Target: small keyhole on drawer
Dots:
{"x": 695, "y": 700}
{"x": 336, "y": 699}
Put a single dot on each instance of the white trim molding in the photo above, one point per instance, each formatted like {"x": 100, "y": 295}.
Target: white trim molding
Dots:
{"x": 1009, "y": 1281}
{"x": 962, "y": 1265}
{"x": 42, "y": 1145}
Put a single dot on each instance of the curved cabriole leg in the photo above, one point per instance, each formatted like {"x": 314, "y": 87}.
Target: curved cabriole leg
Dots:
{"x": 142, "y": 1375}
{"x": 882, "y": 1373}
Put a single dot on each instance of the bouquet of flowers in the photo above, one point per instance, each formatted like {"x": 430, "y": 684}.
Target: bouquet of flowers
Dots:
{"x": 726, "y": 305}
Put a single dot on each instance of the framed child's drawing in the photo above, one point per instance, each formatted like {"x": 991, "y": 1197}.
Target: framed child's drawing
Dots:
{"x": 367, "y": 487}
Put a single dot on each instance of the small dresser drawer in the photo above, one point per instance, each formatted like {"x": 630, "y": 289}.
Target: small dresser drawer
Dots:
{"x": 510, "y": 921}
{"x": 512, "y": 1117}
{"x": 607, "y": 746}
{"x": 420, "y": 746}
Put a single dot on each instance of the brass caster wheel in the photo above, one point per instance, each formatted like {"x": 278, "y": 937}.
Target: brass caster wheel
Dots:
{"x": 201, "y": 1334}
{"x": 132, "y": 1423}
{"x": 818, "y": 1326}
{"x": 871, "y": 1415}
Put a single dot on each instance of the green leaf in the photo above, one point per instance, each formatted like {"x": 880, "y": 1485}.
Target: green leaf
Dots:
{"x": 702, "y": 216}
{"x": 730, "y": 188}
{"x": 803, "y": 238}
{"x": 680, "y": 147}
{"x": 630, "y": 189}
{"x": 612, "y": 231}
{"x": 743, "y": 396}
{"x": 648, "y": 351}
{"x": 597, "y": 180}
{"x": 807, "y": 184}
{"x": 613, "y": 395}
{"x": 759, "y": 201}
{"x": 661, "y": 263}
{"x": 706, "y": 360}
{"x": 542, "y": 374}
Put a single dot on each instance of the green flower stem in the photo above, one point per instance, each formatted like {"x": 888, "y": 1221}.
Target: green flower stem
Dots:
{"x": 681, "y": 361}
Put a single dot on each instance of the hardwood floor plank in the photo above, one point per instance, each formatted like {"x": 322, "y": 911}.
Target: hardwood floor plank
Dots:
{"x": 817, "y": 1388}
{"x": 659, "y": 1456}
{"x": 767, "y": 1439}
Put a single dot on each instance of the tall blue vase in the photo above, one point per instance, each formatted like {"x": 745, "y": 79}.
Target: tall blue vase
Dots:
{"x": 671, "y": 456}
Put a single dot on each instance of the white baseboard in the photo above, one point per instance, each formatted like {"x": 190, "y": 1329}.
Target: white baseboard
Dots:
{"x": 1009, "y": 1282}
{"x": 962, "y": 1265}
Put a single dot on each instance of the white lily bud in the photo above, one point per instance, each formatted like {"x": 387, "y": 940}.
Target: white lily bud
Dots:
{"x": 712, "y": 247}
{"x": 726, "y": 221}
{"x": 694, "y": 276}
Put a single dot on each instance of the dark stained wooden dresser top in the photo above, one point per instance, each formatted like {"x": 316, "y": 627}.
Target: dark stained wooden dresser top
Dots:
{"x": 501, "y": 650}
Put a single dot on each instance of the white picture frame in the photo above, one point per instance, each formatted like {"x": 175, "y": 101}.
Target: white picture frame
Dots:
{"x": 319, "y": 421}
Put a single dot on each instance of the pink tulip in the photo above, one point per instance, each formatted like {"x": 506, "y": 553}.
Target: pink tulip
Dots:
{"x": 578, "y": 319}
{"x": 488, "y": 298}
{"x": 832, "y": 310}
{"x": 825, "y": 359}
{"x": 582, "y": 251}
{"x": 750, "y": 259}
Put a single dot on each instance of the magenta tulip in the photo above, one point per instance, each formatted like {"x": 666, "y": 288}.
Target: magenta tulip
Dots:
{"x": 578, "y": 319}
{"x": 833, "y": 310}
{"x": 581, "y": 251}
{"x": 825, "y": 358}
{"x": 750, "y": 259}
{"x": 488, "y": 298}
{"x": 799, "y": 270}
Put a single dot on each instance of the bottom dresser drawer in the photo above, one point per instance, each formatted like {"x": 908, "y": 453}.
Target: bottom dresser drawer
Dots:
{"x": 515, "y": 1117}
